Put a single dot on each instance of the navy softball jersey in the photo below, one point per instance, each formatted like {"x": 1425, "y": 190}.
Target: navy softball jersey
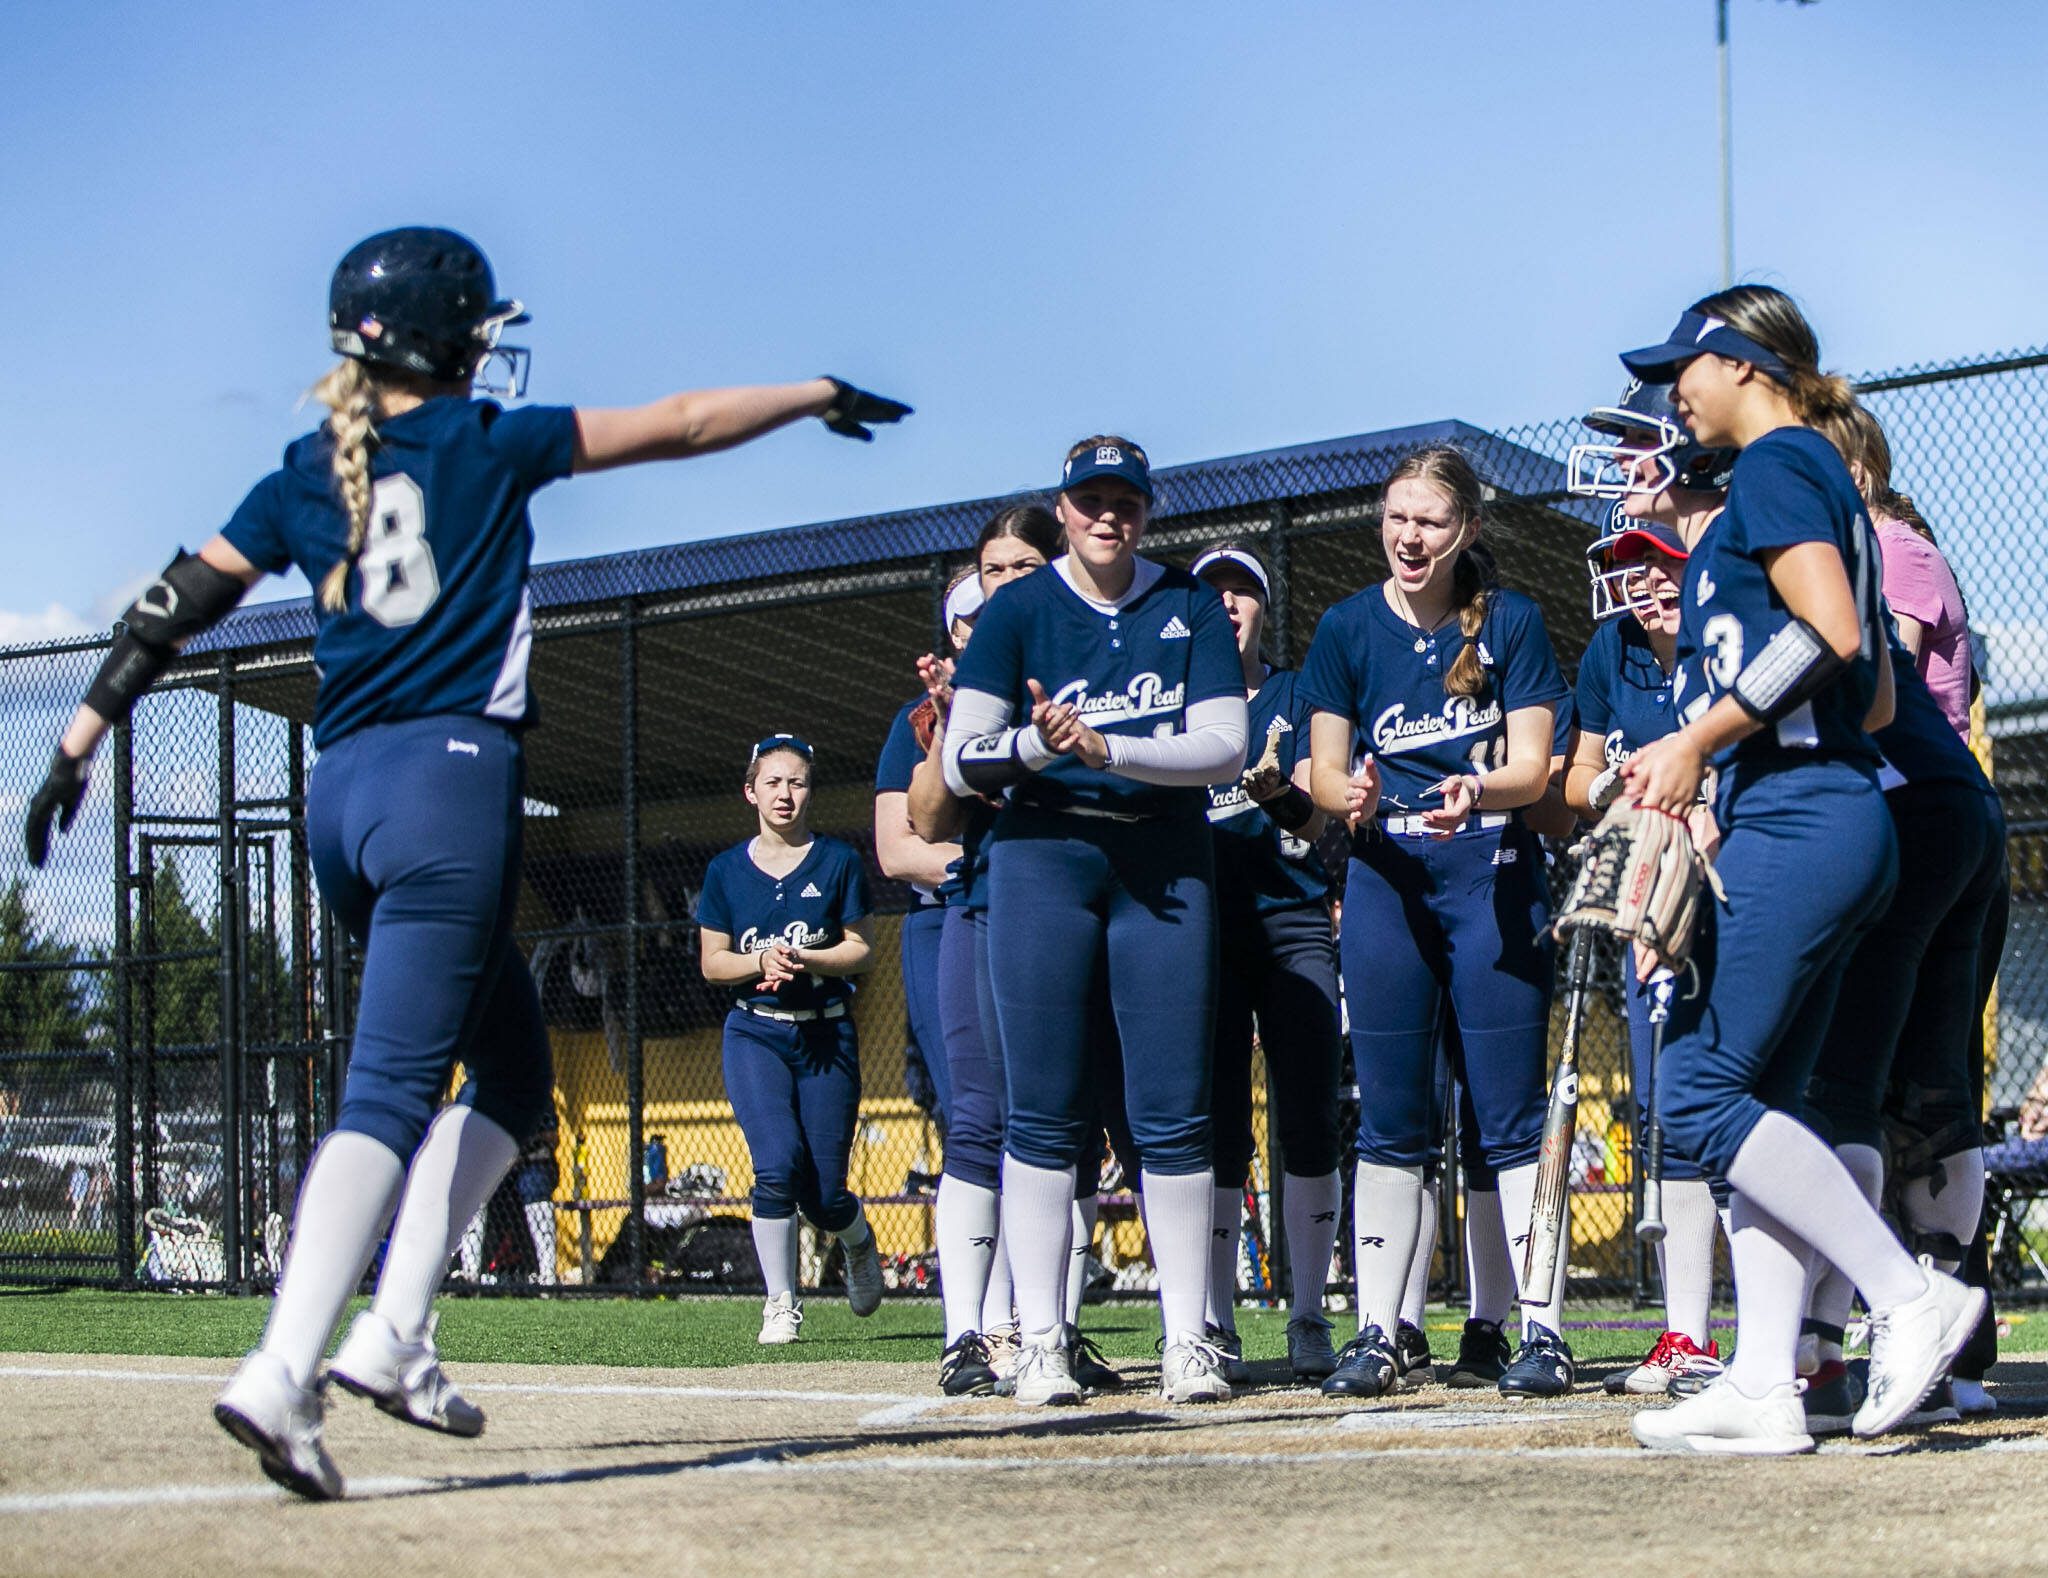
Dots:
{"x": 900, "y": 756}
{"x": 1258, "y": 863}
{"x": 808, "y": 907}
{"x": 919, "y": 938}
{"x": 1370, "y": 665}
{"x": 1624, "y": 695}
{"x": 438, "y": 618}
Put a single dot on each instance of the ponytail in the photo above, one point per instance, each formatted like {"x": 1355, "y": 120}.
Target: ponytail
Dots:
{"x": 1471, "y": 588}
{"x": 351, "y": 399}
{"x": 1771, "y": 318}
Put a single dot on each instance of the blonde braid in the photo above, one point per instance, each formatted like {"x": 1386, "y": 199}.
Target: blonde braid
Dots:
{"x": 351, "y": 399}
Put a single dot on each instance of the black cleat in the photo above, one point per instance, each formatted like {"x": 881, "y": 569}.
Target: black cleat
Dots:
{"x": 1483, "y": 1356}
{"x": 1366, "y": 1366}
{"x": 1090, "y": 1369}
{"x": 1543, "y": 1369}
{"x": 964, "y": 1368}
{"x": 1412, "y": 1358}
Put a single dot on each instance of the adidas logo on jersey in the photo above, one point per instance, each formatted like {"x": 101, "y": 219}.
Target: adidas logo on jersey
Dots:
{"x": 1174, "y": 630}
{"x": 810, "y": 891}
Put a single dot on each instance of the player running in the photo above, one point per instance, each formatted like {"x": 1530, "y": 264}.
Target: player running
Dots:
{"x": 407, "y": 510}
{"x": 1781, "y": 605}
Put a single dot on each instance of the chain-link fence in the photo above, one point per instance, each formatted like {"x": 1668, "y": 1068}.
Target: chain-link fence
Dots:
{"x": 174, "y": 998}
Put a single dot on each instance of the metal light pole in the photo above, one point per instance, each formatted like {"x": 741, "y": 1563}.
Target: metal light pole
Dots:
{"x": 1727, "y": 152}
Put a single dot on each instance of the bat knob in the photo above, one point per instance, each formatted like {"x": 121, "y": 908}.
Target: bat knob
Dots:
{"x": 1650, "y": 1232}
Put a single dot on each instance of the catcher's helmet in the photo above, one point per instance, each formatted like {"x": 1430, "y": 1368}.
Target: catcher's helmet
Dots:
{"x": 423, "y": 301}
{"x": 1644, "y": 424}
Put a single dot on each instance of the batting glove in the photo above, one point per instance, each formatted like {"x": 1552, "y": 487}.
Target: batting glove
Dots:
{"x": 57, "y": 800}
{"x": 851, "y": 408}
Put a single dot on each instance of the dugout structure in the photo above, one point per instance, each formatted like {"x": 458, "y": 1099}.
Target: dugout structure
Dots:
{"x": 174, "y": 1000}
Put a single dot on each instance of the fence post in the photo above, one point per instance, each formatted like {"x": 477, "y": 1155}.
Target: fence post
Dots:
{"x": 941, "y": 635}
{"x": 234, "y": 1141}
{"x": 1280, "y": 551}
{"x": 636, "y": 1074}
{"x": 124, "y": 1043}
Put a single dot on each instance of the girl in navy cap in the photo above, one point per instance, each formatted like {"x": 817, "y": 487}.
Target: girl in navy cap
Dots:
{"x": 1278, "y": 970}
{"x": 1669, "y": 490}
{"x": 1450, "y": 688}
{"x": 783, "y": 921}
{"x": 1781, "y": 604}
{"x": 1104, "y": 696}
{"x": 407, "y": 511}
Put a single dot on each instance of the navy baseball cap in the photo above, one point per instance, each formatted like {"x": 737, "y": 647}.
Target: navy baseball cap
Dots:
{"x": 1237, "y": 556}
{"x": 1121, "y": 461}
{"x": 781, "y": 742}
{"x": 1696, "y": 335}
{"x": 1628, "y": 542}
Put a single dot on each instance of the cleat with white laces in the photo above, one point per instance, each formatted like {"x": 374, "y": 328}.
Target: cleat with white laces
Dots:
{"x": 1044, "y": 1377}
{"x": 1092, "y": 1372}
{"x": 1414, "y": 1364}
{"x": 1003, "y": 1344}
{"x": 1193, "y": 1370}
{"x": 1675, "y": 1358}
{"x": 1722, "y": 1422}
{"x": 1309, "y": 1353}
{"x": 1231, "y": 1346}
{"x": 963, "y": 1367}
{"x": 404, "y": 1379}
{"x": 782, "y": 1320}
{"x": 1365, "y": 1368}
{"x": 863, "y": 1275}
{"x": 280, "y": 1421}
{"x": 1911, "y": 1347}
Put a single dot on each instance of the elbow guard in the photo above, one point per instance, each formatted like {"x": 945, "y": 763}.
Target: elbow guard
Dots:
{"x": 990, "y": 763}
{"x": 189, "y": 597}
{"x": 1795, "y": 666}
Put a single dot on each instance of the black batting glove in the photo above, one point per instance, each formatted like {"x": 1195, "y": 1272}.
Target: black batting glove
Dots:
{"x": 852, "y": 408}
{"x": 63, "y": 788}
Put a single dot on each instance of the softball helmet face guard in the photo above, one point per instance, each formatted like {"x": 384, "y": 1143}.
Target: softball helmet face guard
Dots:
{"x": 1645, "y": 451}
{"x": 423, "y": 301}
{"x": 1614, "y": 564}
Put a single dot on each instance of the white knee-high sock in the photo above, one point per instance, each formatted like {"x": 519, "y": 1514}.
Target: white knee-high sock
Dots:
{"x": 1180, "y": 1208}
{"x": 1225, "y": 1230}
{"x": 1086, "y": 1210}
{"x": 1954, "y": 1208}
{"x": 463, "y": 1159}
{"x": 1486, "y": 1257}
{"x": 1416, "y": 1294}
{"x": 540, "y": 1227}
{"x": 775, "y": 1248}
{"x": 1770, "y": 1291}
{"x": 1386, "y": 1215}
{"x": 1545, "y": 1305}
{"x": 1833, "y": 1292}
{"x": 1038, "y": 1215}
{"x": 966, "y": 1229}
{"x": 348, "y": 1194}
{"x": 1786, "y": 1170}
{"x": 999, "y": 1303}
{"x": 469, "y": 1250}
{"x": 1311, "y": 1209}
{"x": 1685, "y": 1260}
{"x": 857, "y": 1231}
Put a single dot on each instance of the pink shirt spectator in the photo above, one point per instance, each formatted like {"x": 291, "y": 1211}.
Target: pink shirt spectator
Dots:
{"x": 1919, "y": 584}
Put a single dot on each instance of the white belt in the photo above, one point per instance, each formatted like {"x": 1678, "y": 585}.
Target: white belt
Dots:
{"x": 1416, "y": 827}
{"x": 796, "y": 1016}
{"x": 1102, "y": 812}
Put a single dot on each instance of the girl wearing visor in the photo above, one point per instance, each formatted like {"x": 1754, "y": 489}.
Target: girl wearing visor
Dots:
{"x": 1781, "y": 605}
{"x": 1103, "y": 696}
{"x": 1668, "y": 491}
{"x": 1278, "y": 968}
{"x": 783, "y": 922}
{"x": 1450, "y": 687}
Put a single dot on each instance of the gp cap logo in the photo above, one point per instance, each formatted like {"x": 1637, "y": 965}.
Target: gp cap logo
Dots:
{"x": 1109, "y": 455}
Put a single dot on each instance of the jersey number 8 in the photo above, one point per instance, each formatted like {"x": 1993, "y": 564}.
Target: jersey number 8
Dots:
{"x": 400, "y": 581}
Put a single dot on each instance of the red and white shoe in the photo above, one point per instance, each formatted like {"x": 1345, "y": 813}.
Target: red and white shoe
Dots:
{"x": 1675, "y": 1359}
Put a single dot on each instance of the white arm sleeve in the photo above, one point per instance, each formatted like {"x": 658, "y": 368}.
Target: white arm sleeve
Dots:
{"x": 977, "y": 729}
{"x": 1210, "y": 751}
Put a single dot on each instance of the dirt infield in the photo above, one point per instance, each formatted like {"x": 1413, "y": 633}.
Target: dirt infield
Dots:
{"x": 113, "y": 1466}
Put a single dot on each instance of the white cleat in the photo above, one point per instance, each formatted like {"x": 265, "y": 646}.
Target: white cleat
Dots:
{"x": 1720, "y": 1421}
{"x": 404, "y": 1379}
{"x": 863, "y": 1275}
{"x": 1044, "y": 1376}
{"x": 1911, "y": 1347}
{"x": 1971, "y": 1399}
{"x": 279, "y": 1420}
{"x": 1004, "y": 1343}
{"x": 1194, "y": 1371}
{"x": 782, "y": 1320}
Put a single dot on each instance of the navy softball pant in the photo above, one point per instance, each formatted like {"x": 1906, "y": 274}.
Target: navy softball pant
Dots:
{"x": 1808, "y": 861}
{"x": 974, "y": 1131}
{"x": 414, "y": 829}
{"x": 1464, "y": 916}
{"x": 1278, "y": 969}
{"x": 1069, "y": 895}
{"x": 919, "y": 951}
{"x": 795, "y": 1088}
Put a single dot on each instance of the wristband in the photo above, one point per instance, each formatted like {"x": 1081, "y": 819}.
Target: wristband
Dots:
{"x": 1291, "y": 810}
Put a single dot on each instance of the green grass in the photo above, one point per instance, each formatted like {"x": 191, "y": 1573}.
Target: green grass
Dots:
{"x": 681, "y": 1333}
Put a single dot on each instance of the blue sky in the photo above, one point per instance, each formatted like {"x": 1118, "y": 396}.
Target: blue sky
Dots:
{"x": 1215, "y": 226}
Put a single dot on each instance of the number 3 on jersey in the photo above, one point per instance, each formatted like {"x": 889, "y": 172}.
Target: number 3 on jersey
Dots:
{"x": 400, "y": 581}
